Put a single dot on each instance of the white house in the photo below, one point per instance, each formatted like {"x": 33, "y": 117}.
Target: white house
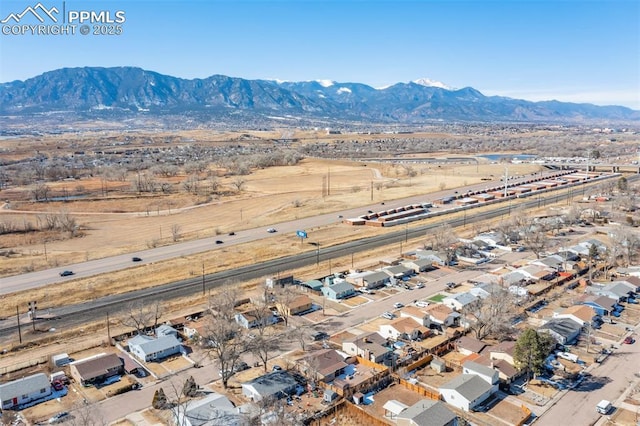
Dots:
{"x": 147, "y": 348}
{"x": 404, "y": 328}
{"x": 487, "y": 374}
{"x": 254, "y": 318}
{"x": 458, "y": 301}
{"x": 466, "y": 391}
{"x": 23, "y": 391}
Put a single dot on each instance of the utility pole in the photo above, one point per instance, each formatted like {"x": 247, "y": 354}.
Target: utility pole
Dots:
{"x": 108, "y": 328}
{"x": 371, "y": 190}
{"x": 18, "y": 317}
{"x": 506, "y": 176}
{"x": 203, "y": 290}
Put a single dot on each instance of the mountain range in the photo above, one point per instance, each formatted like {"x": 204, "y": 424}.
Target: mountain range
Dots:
{"x": 130, "y": 91}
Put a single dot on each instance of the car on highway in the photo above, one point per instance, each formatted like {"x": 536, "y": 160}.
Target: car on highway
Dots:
{"x": 219, "y": 242}
{"x": 66, "y": 273}
{"x": 231, "y": 234}
{"x": 271, "y": 230}
{"x": 136, "y": 259}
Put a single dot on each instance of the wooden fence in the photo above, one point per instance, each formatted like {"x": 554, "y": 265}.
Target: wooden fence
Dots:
{"x": 420, "y": 390}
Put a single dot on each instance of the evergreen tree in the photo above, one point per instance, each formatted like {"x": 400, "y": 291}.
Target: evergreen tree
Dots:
{"x": 531, "y": 350}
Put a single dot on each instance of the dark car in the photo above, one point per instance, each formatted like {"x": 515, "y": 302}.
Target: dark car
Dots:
{"x": 66, "y": 273}
{"x": 136, "y": 259}
{"x": 232, "y": 233}
{"x": 57, "y": 385}
{"x": 60, "y": 417}
{"x": 219, "y": 241}
{"x": 629, "y": 340}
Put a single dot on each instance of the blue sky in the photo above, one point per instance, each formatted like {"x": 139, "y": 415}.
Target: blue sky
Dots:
{"x": 569, "y": 50}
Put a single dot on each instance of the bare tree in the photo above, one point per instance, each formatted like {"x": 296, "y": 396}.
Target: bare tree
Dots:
{"x": 238, "y": 183}
{"x": 535, "y": 237}
{"x": 85, "y": 414}
{"x": 284, "y": 296}
{"x": 222, "y": 337}
{"x": 266, "y": 337}
{"x": 40, "y": 192}
{"x": 444, "y": 239}
{"x": 138, "y": 316}
{"x": 488, "y": 316}
{"x": 176, "y": 232}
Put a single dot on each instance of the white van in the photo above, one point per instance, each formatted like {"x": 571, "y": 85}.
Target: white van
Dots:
{"x": 603, "y": 407}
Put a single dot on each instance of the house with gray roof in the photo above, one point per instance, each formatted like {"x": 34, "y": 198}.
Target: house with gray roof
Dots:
{"x": 487, "y": 374}
{"x": 23, "y": 391}
{"x": 148, "y": 348}
{"x": 398, "y": 271}
{"x": 458, "y": 301}
{"x": 617, "y": 291}
{"x": 165, "y": 330}
{"x": 213, "y": 410}
{"x": 339, "y": 290}
{"x": 563, "y": 330}
{"x": 466, "y": 391}
{"x": 427, "y": 412}
{"x": 373, "y": 280}
{"x": 419, "y": 265}
{"x": 602, "y": 305}
{"x": 276, "y": 384}
{"x": 370, "y": 346}
{"x": 96, "y": 369}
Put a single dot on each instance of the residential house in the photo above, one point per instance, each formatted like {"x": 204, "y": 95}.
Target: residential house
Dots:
{"x": 373, "y": 280}
{"x": 617, "y": 291}
{"x": 563, "y": 330}
{"x": 466, "y": 391}
{"x": 166, "y": 330}
{"x": 195, "y": 330}
{"x": 315, "y": 285}
{"x": 255, "y": 318}
{"x": 458, "y": 301}
{"x": 427, "y": 412}
{"x": 493, "y": 239}
{"x": 554, "y": 261}
{"x": 441, "y": 316}
{"x": 404, "y": 328}
{"x": 419, "y": 265}
{"x": 299, "y": 304}
{"x": 582, "y": 314}
{"x": 393, "y": 408}
{"x": 488, "y": 374}
{"x": 512, "y": 278}
{"x": 502, "y": 351}
{"x": 631, "y": 271}
{"x": 25, "y": 390}
{"x": 370, "y": 346}
{"x": 506, "y": 371}
{"x": 602, "y": 305}
{"x": 96, "y": 369}
{"x": 631, "y": 281}
{"x": 212, "y": 410}
{"x": 417, "y": 314}
{"x": 147, "y": 348}
{"x": 436, "y": 258}
{"x": 467, "y": 345}
{"x": 398, "y": 271}
{"x": 535, "y": 272}
{"x": 324, "y": 365}
{"x": 276, "y": 384}
{"x": 339, "y": 290}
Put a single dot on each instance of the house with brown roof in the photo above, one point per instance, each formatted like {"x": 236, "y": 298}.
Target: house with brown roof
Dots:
{"x": 582, "y": 314}
{"x": 415, "y": 313}
{"x": 404, "y": 329}
{"x": 96, "y": 369}
{"x": 467, "y": 345}
{"x": 440, "y": 316}
{"x": 502, "y": 351}
{"x": 300, "y": 303}
{"x": 324, "y": 365}
{"x": 370, "y": 346}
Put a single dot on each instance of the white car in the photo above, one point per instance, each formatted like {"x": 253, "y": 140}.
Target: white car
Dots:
{"x": 422, "y": 304}
{"x": 419, "y": 285}
{"x": 388, "y": 315}
{"x": 271, "y": 230}
{"x": 398, "y": 305}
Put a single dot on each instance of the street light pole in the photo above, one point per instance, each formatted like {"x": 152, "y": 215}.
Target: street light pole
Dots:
{"x": 203, "y": 291}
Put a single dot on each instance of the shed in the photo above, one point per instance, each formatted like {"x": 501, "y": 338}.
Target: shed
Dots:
{"x": 60, "y": 359}
{"x": 438, "y": 365}
{"x": 392, "y": 408}
{"x": 329, "y": 395}
{"x": 358, "y": 398}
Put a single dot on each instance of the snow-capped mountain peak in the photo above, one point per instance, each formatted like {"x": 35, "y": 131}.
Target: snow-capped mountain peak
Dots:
{"x": 325, "y": 83}
{"x": 427, "y": 82}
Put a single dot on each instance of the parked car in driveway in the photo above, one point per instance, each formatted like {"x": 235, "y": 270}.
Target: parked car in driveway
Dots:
{"x": 60, "y": 417}
{"x": 629, "y": 340}
{"x": 398, "y": 305}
